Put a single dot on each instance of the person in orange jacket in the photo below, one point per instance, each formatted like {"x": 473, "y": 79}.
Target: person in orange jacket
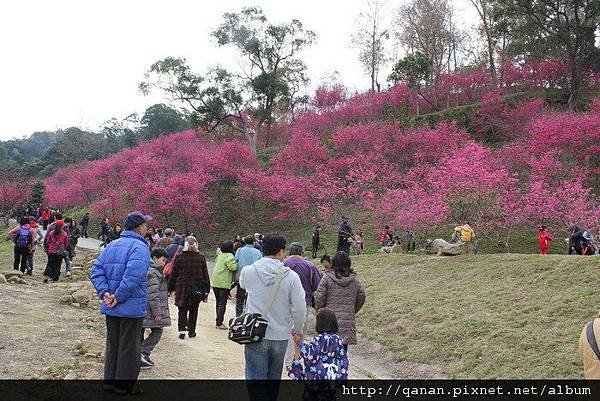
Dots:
{"x": 544, "y": 239}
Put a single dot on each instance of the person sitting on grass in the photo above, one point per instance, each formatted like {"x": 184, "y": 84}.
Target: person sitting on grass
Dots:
{"x": 324, "y": 358}
{"x": 157, "y": 315}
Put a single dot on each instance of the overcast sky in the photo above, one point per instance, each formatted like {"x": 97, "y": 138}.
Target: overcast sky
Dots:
{"x": 78, "y": 63}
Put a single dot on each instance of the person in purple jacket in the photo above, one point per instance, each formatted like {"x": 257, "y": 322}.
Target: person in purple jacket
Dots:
{"x": 310, "y": 277}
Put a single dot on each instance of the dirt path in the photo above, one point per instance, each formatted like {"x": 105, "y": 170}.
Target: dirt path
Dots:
{"x": 42, "y": 338}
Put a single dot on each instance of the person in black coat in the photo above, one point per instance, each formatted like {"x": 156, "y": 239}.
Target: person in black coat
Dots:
{"x": 316, "y": 240}
{"x": 345, "y": 235}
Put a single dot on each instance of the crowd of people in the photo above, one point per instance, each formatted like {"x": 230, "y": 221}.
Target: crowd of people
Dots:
{"x": 135, "y": 276}
{"x": 58, "y": 237}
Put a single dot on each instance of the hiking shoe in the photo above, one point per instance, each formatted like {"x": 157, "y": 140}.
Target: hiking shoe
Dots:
{"x": 147, "y": 358}
{"x": 223, "y": 327}
{"x": 68, "y": 274}
{"x": 181, "y": 336}
{"x": 144, "y": 363}
{"x": 192, "y": 335}
{"x": 29, "y": 272}
{"x": 46, "y": 279}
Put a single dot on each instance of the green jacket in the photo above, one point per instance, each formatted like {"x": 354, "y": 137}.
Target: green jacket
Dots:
{"x": 225, "y": 265}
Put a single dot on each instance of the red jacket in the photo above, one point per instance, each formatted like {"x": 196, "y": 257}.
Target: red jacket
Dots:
{"x": 544, "y": 239}
{"x": 57, "y": 243}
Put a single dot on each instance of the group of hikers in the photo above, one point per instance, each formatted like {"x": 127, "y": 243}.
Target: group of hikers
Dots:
{"x": 134, "y": 279}
{"x": 59, "y": 241}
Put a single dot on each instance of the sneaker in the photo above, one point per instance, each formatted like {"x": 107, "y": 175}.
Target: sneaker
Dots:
{"x": 181, "y": 336}
{"x": 223, "y": 327}
{"x": 46, "y": 279}
{"x": 29, "y": 272}
{"x": 147, "y": 358}
{"x": 144, "y": 364}
{"x": 192, "y": 335}
{"x": 68, "y": 274}
{"x": 146, "y": 361}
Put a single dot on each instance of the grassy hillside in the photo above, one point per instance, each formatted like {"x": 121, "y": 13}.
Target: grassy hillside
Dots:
{"x": 481, "y": 316}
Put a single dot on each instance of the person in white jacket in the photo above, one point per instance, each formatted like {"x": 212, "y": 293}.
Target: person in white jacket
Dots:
{"x": 264, "y": 360}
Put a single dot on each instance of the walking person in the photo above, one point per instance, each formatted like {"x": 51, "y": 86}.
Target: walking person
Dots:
{"x": 244, "y": 256}
{"x": 225, "y": 266}
{"x": 341, "y": 292}
{"x": 119, "y": 276}
{"x": 316, "y": 241}
{"x": 46, "y": 214}
{"x": 157, "y": 315}
{"x": 189, "y": 268}
{"x": 544, "y": 239}
{"x": 104, "y": 231}
{"x": 68, "y": 225}
{"x": 22, "y": 237}
{"x": 325, "y": 357}
{"x": 165, "y": 241}
{"x": 85, "y": 222}
{"x": 38, "y": 235}
{"x": 344, "y": 235}
{"x": 310, "y": 277}
{"x": 264, "y": 359}
{"x": 57, "y": 242}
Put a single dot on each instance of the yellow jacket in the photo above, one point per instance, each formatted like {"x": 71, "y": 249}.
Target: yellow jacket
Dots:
{"x": 466, "y": 233}
{"x": 591, "y": 363}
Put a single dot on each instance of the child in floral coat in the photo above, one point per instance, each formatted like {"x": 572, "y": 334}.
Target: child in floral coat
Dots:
{"x": 324, "y": 358}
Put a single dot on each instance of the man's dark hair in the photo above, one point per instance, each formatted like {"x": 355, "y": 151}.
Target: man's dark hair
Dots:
{"x": 58, "y": 216}
{"x": 326, "y": 322}
{"x": 23, "y": 221}
{"x": 68, "y": 220}
{"x": 159, "y": 253}
{"x": 273, "y": 243}
{"x": 325, "y": 258}
{"x": 249, "y": 240}
{"x": 227, "y": 246}
{"x": 387, "y": 227}
{"x": 341, "y": 264}
{"x": 318, "y": 226}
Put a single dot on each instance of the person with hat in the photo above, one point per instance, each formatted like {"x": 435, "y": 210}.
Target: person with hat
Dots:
{"x": 57, "y": 242}
{"x": 119, "y": 276}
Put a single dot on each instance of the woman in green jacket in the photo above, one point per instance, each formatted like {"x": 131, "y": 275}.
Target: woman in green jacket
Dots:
{"x": 221, "y": 279}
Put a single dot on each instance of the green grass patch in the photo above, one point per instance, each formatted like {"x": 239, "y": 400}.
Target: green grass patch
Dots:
{"x": 481, "y": 316}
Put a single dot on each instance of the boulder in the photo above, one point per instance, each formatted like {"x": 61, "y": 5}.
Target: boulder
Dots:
{"x": 13, "y": 280}
{"x": 13, "y": 273}
{"x": 3, "y": 279}
{"x": 82, "y": 296}
{"x": 75, "y": 304}
{"x": 66, "y": 300}
{"x": 72, "y": 375}
{"x": 90, "y": 355}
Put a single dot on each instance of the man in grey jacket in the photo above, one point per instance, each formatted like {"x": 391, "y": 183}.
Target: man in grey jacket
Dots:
{"x": 264, "y": 360}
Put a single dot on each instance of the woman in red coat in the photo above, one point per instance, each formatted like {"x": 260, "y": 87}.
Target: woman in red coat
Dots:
{"x": 544, "y": 239}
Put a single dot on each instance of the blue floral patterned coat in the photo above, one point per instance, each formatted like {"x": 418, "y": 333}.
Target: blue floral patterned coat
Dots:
{"x": 324, "y": 358}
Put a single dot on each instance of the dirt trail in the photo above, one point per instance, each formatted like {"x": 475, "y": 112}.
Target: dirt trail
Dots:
{"x": 38, "y": 335}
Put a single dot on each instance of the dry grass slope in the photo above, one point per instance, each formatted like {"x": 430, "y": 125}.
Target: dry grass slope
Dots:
{"x": 481, "y": 316}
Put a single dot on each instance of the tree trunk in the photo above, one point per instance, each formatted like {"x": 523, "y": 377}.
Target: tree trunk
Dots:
{"x": 574, "y": 80}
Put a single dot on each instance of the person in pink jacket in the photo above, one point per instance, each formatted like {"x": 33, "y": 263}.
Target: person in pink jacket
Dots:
{"x": 58, "y": 242}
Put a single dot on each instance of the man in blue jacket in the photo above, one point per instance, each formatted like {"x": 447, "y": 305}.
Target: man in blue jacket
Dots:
{"x": 119, "y": 277}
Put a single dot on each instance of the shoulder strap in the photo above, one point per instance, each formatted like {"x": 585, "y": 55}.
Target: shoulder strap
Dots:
{"x": 273, "y": 292}
{"x": 592, "y": 338}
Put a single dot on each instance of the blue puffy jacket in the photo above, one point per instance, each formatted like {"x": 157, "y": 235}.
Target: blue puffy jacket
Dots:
{"x": 122, "y": 270}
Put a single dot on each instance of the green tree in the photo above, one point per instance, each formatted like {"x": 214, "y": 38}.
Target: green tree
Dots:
{"x": 414, "y": 69}
{"x": 243, "y": 101}
{"x": 73, "y": 145}
{"x": 37, "y": 194}
{"x": 553, "y": 28}
{"x": 161, "y": 119}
